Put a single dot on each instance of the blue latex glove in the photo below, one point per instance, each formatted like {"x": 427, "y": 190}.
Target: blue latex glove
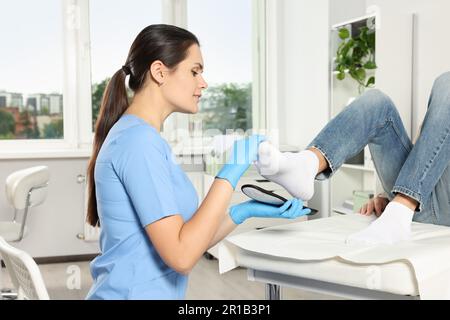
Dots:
{"x": 244, "y": 153}
{"x": 291, "y": 209}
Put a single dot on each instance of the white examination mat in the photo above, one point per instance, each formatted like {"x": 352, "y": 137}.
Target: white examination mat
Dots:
{"x": 316, "y": 249}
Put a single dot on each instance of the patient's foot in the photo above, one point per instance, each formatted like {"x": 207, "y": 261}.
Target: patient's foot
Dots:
{"x": 293, "y": 171}
{"x": 392, "y": 226}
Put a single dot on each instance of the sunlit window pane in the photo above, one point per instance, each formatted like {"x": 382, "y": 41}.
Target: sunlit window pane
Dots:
{"x": 224, "y": 29}
{"x": 31, "y": 64}
{"x": 114, "y": 25}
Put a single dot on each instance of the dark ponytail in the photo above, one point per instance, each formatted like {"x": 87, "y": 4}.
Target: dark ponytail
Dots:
{"x": 114, "y": 104}
{"x": 166, "y": 43}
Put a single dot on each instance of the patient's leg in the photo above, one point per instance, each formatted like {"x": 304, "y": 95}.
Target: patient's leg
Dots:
{"x": 421, "y": 175}
{"x": 371, "y": 119}
{"x": 424, "y": 168}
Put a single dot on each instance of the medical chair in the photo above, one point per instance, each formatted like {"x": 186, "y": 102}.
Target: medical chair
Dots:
{"x": 24, "y": 272}
{"x": 25, "y": 188}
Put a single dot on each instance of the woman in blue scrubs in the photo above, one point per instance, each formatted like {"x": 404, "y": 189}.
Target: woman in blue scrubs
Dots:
{"x": 152, "y": 230}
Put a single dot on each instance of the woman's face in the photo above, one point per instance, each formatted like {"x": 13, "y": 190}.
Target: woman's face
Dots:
{"x": 184, "y": 85}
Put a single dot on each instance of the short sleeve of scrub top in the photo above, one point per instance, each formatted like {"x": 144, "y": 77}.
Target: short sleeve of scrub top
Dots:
{"x": 145, "y": 174}
{"x": 137, "y": 183}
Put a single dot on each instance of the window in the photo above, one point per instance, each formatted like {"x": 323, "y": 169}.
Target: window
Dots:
{"x": 224, "y": 29}
{"x": 114, "y": 25}
{"x": 58, "y": 56}
{"x": 31, "y": 64}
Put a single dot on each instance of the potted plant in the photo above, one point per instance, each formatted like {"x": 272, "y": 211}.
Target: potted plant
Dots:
{"x": 355, "y": 55}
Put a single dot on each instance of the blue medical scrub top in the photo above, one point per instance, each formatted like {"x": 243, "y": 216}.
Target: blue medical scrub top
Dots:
{"x": 137, "y": 182}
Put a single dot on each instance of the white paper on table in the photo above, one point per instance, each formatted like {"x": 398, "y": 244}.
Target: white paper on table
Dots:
{"x": 428, "y": 251}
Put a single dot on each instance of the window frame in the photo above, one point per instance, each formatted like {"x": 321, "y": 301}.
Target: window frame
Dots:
{"x": 176, "y": 13}
{"x": 71, "y": 15}
{"x": 77, "y": 100}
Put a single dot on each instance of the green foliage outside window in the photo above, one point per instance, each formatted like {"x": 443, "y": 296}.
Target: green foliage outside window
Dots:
{"x": 54, "y": 129}
{"x": 97, "y": 95}
{"x": 7, "y": 125}
{"x": 222, "y": 107}
{"x": 227, "y": 106}
{"x": 30, "y": 131}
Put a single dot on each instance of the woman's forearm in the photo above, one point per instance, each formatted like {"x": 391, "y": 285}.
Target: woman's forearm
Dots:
{"x": 224, "y": 229}
{"x": 196, "y": 235}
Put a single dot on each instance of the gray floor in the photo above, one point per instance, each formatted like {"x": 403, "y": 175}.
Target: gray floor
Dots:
{"x": 71, "y": 281}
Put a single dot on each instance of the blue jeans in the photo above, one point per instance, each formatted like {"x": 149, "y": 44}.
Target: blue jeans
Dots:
{"x": 420, "y": 171}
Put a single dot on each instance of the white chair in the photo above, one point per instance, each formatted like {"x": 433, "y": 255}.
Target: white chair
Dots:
{"x": 24, "y": 189}
{"x": 24, "y": 272}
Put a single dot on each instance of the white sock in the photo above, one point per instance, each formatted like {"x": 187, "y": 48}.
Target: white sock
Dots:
{"x": 293, "y": 171}
{"x": 392, "y": 226}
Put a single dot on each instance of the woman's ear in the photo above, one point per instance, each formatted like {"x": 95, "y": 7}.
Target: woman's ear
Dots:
{"x": 158, "y": 71}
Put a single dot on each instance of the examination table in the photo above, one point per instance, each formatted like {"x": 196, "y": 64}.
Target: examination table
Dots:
{"x": 313, "y": 256}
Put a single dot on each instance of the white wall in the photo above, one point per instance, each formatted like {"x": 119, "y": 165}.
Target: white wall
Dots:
{"x": 344, "y": 10}
{"x": 431, "y": 49}
{"x": 303, "y": 64}
{"x": 54, "y": 225}
{"x": 302, "y": 69}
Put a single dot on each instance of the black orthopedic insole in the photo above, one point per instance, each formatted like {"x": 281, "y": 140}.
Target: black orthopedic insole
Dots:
{"x": 266, "y": 196}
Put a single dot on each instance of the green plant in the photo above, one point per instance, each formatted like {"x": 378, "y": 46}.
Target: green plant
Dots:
{"x": 356, "y": 54}
{"x": 7, "y": 123}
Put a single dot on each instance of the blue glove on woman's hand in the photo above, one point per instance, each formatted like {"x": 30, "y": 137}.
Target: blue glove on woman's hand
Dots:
{"x": 244, "y": 153}
{"x": 291, "y": 209}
